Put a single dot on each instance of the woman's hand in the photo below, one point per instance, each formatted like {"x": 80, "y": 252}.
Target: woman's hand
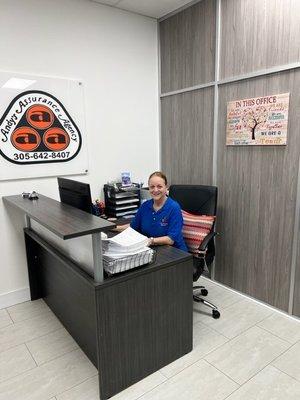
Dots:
{"x": 160, "y": 241}
{"x": 120, "y": 228}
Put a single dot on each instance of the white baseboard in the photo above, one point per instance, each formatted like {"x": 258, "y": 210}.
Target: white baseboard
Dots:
{"x": 15, "y": 297}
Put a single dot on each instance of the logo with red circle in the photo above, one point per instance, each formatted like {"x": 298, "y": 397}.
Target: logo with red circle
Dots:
{"x": 56, "y": 139}
{"x": 39, "y": 116}
{"x": 25, "y": 139}
{"x": 36, "y": 128}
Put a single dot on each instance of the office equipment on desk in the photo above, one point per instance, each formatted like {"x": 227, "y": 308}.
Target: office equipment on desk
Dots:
{"x": 98, "y": 208}
{"x": 125, "y": 179}
{"x": 30, "y": 195}
{"x": 121, "y": 201}
{"x": 76, "y": 194}
{"x": 200, "y": 201}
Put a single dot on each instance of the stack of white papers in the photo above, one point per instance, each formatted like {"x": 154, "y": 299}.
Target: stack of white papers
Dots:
{"x": 124, "y": 244}
{"x": 126, "y": 250}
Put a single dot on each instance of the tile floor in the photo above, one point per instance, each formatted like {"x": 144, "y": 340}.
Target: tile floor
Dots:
{"x": 251, "y": 353}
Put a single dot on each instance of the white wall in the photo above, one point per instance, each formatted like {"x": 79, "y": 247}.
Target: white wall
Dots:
{"x": 115, "y": 55}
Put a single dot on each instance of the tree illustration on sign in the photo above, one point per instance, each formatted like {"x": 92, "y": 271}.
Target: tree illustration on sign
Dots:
{"x": 253, "y": 117}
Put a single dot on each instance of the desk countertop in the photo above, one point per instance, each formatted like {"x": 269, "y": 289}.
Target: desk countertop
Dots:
{"x": 63, "y": 220}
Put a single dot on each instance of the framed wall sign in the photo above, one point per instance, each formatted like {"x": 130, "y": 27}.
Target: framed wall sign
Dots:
{"x": 258, "y": 121}
{"x": 42, "y": 129}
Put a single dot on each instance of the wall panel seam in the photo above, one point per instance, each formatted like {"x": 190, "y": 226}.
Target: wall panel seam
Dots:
{"x": 294, "y": 246}
{"x": 237, "y": 78}
{"x": 159, "y": 100}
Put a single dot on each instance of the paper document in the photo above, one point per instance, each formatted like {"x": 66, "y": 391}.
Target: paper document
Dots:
{"x": 129, "y": 237}
{"x": 115, "y": 265}
{"x": 129, "y": 249}
{"x": 109, "y": 254}
{"x": 128, "y": 241}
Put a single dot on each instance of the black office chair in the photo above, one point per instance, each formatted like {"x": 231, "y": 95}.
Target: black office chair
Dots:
{"x": 199, "y": 200}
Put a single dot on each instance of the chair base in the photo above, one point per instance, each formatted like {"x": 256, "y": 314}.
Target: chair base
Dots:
{"x": 203, "y": 291}
{"x": 215, "y": 312}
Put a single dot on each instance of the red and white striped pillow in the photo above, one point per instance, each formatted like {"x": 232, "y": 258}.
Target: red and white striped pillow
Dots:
{"x": 195, "y": 229}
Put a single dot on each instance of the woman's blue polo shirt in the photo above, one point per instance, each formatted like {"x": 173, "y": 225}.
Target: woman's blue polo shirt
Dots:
{"x": 165, "y": 222}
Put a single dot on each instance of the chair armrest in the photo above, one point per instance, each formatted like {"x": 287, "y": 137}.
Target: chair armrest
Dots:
{"x": 207, "y": 239}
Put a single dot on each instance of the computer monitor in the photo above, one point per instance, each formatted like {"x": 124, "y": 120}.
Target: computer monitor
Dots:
{"x": 76, "y": 194}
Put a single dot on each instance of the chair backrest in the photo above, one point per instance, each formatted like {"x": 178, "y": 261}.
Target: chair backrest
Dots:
{"x": 201, "y": 200}
{"x": 196, "y": 199}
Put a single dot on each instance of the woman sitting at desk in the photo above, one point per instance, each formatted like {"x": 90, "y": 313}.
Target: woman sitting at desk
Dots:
{"x": 159, "y": 218}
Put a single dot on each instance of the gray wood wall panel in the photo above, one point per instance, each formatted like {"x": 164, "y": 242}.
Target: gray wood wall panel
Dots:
{"x": 257, "y": 185}
{"x": 296, "y": 302}
{"x": 186, "y": 137}
{"x": 257, "y": 197}
{"x": 256, "y": 34}
{"x": 187, "y": 42}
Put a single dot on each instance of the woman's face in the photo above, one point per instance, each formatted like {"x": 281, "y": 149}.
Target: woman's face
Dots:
{"x": 157, "y": 188}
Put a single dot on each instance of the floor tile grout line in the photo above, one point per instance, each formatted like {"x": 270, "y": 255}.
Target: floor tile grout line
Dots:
{"x": 251, "y": 377}
{"x": 215, "y": 330}
{"x": 235, "y": 390}
{"x": 231, "y": 338}
{"x": 209, "y": 327}
{"x": 239, "y": 384}
{"x": 245, "y": 300}
{"x": 5, "y": 326}
{"x": 31, "y": 354}
{"x": 274, "y": 334}
{"x": 9, "y": 316}
{"x": 253, "y": 326}
{"x": 229, "y": 305}
{"x": 258, "y": 372}
{"x": 18, "y": 344}
{"x": 61, "y": 355}
{"x": 17, "y": 375}
{"x": 31, "y": 369}
{"x": 195, "y": 362}
{"x": 19, "y": 305}
{"x": 255, "y": 301}
{"x": 46, "y": 334}
{"x": 232, "y": 304}
{"x": 171, "y": 377}
{"x": 46, "y": 311}
{"x": 75, "y": 386}
{"x": 285, "y": 373}
{"x": 268, "y": 364}
{"x": 282, "y": 354}
{"x": 150, "y": 390}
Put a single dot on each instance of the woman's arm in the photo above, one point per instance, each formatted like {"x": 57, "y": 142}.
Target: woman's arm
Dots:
{"x": 155, "y": 241}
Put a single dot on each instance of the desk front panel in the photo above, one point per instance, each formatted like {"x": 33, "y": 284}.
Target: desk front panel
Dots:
{"x": 147, "y": 323}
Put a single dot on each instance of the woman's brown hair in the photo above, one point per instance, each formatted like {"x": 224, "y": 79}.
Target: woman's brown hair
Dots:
{"x": 160, "y": 175}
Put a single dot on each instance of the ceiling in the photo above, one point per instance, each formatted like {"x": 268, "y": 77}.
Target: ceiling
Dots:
{"x": 150, "y": 8}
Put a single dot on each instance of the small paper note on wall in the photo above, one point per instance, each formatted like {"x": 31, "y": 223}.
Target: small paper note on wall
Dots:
{"x": 258, "y": 121}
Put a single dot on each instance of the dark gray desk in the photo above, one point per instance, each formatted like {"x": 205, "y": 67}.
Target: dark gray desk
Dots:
{"x": 129, "y": 325}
